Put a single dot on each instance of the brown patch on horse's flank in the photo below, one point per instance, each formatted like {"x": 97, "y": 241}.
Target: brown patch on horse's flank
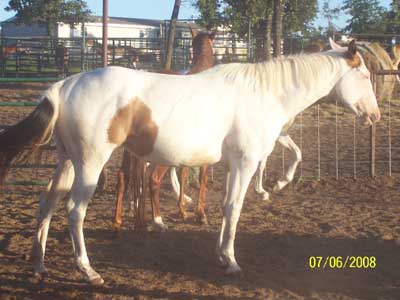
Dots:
{"x": 353, "y": 61}
{"x": 133, "y": 125}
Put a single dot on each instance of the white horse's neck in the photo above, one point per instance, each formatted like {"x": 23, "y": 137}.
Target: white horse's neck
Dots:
{"x": 305, "y": 80}
{"x": 293, "y": 82}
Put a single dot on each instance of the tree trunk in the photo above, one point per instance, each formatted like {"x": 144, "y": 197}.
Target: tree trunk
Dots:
{"x": 50, "y": 29}
{"x": 277, "y": 34}
{"x": 268, "y": 39}
{"x": 259, "y": 49}
{"x": 171, "y": 35}
{"x": 259, "y": 36}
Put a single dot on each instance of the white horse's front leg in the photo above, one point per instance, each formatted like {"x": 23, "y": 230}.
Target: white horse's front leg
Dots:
{"x": 86, "y": 176}
{"x": 288, "y": 143}
{"x": 258, "y": 187}
{"x": 239, "y": 179}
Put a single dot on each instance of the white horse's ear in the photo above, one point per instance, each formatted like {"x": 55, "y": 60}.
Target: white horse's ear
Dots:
{"x": 334, "y": 46}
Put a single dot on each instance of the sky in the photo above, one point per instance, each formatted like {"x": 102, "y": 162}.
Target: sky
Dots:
{"x": 162, "y": 9}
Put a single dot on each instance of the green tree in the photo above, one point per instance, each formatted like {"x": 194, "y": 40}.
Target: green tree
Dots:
{"x": 257, "y": 17}
{"x": 393, "y": 18}
{"x": 367, "y": 16}
{"x": 298, "y": 15}
{"x": 171, "y": 34}
{"x": 49, "y": 12}
{"x": 330, "y": 14}
{"x": 254, "y": 17}
{"x": 211, "y": 14}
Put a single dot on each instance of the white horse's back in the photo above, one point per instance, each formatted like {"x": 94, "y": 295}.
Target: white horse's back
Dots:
{"x": 189, "y": 118}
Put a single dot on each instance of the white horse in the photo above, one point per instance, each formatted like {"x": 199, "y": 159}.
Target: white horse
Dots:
{"x": 232, "y": 112}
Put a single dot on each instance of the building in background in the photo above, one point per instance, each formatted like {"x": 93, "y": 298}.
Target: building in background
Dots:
{"x": 117, "y": 28}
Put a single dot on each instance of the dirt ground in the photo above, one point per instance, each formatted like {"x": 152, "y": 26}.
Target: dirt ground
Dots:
{"x": 274, "y": 243}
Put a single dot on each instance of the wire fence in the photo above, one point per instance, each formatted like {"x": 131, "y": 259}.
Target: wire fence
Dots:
{"x": 45, "y": 57}
{"x": 332, "y": 142}
{"x": 335, "y": 145}
{"x": 49, "y": 57}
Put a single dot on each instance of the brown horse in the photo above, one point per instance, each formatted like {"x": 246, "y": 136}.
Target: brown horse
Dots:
{"x": 131, "y": 168}
{"x": 6, "y": 52}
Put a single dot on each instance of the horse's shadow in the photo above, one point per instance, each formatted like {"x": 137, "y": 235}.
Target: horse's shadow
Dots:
{"x": 270, "y": 261}
{"x": 276, "y": 262}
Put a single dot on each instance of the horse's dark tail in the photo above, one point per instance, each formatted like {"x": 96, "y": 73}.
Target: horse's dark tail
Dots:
{"x": 28, "y": 135}
{"x": 136, "y": 191}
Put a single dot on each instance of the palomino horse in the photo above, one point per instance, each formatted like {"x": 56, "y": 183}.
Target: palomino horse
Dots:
{"x": 245, "y": 105}
{"x": 396, "y": 59}
{"x": 203, "y": 59}
{"x": 376, "y": 59}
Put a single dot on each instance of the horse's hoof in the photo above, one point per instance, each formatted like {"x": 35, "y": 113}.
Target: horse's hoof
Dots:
{"x": 40, "y": 276}
{"x": 27, "y": 257}
{"x": 188, "y": 199}
{"x": 202, "y": 220}
{"x": 234, "y": 270}
{"x": 279, "y": 186}
{"x": 96, "y": 281}
{"x": 160, "y": 227}
{"x": 116, "y": 226}
{"x": 184, "y": 217}
{"x": 264, "y": 196}
{"x": 222, "y": 263}
{"x": 276, "y": 188}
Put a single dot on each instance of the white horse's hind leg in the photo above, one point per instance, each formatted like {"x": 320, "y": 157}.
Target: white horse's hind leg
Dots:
{"x": 241, "y": 172}
{"x": 287, "y": 142}
{"x": 258, "y": 187}
{"x": 176, "y": 186}
{"x": 86, "y": 177}
{"x": 218, "y": 249}
{"x": 57, "y": 189}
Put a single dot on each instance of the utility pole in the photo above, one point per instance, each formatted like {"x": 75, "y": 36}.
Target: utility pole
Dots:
{"x": 171, "y": 35}
{"x": 277, "y": 27}
{"x": 105, "y": 33}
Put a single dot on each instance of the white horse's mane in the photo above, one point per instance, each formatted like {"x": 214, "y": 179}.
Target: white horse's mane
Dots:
{"x": 301, "y": 71}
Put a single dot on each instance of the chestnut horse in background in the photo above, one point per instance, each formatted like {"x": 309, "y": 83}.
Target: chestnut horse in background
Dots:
{"x": 7, "y": 51}
{"x": 131, "y": 178}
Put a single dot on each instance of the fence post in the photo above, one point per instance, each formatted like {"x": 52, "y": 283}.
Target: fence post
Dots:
{"x": 301, "y": 144}
{"x": 249, "y": 56}
{"x": 372, "y": 134}
{"x": 319, "y": 144}
{"x": 2, "y": 57}
{"x": 354, "y": 149}
{"x": 283, "y": 161}
{"x": 390, "y": 138}
{"x": 372, "y": 149}
{"x": 83, "y": 47}
{"x": 336, "y": 142}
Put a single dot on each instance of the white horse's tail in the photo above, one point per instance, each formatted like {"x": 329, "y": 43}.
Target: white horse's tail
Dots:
{"x": 28, "y": 135}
